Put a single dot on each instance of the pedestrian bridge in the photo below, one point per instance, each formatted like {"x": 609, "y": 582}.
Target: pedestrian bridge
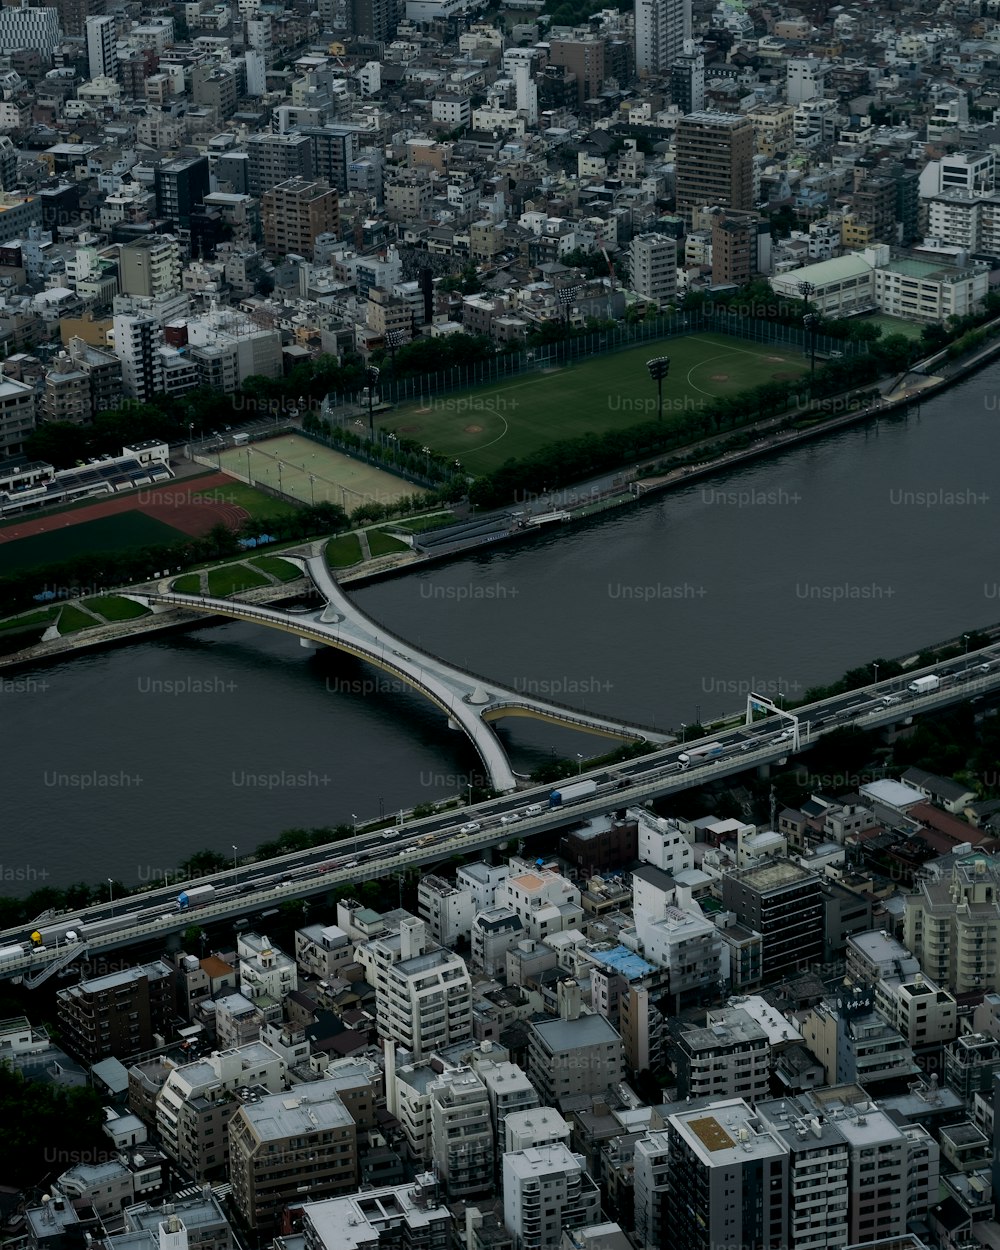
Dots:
{"x": 471, "y": 703}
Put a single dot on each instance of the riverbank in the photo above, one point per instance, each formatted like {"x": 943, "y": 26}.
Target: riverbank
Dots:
{"x": 619, "y": 490}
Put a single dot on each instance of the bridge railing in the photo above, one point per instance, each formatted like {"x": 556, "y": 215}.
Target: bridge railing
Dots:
{"x": 463, "y": 672}
{"x": 580, "y": 718}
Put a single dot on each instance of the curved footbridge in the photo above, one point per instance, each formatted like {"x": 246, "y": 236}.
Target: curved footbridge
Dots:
{"x": 471, "y": 703}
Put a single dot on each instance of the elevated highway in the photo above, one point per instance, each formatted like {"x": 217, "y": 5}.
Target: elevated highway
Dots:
{"x": 154, "y": 914}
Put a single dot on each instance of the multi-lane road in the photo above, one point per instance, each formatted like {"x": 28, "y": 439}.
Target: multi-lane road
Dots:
{"x": 247, "y": 890}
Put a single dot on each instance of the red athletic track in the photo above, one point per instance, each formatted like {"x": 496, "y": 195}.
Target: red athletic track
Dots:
{"x": 169, "y": 502}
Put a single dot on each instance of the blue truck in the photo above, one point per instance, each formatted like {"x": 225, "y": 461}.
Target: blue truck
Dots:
{"x": 566, "y": 794}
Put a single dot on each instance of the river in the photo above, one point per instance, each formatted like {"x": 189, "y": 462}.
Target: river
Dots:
{"x": 774, "y": 576}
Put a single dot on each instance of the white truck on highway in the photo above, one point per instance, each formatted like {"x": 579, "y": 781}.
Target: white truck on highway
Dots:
{"x": 924, "y": 685}
{"x": 697, "y": 754}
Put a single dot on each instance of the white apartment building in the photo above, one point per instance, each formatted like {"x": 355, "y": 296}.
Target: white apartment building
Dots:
{"x": 964, "y": 171}
{"x": 462, "y": 1136}
{"x": 819, "y": 1163}
{"x": 545, "y": 901}
{"x": 447, "y": 909}
{"x": 197, "y": 1099}
{"x": 730, "y": 1057}
{"x": 541, "y": 1126}
{"x": 685, "y": 943}
{"x": 650, "y": 1179}
{"x": 265, "y": 972}
{"x": 230, "y": 346}
{"x": 545, "y": 1190}
{"x": 137, "y": 341}
{"x": 924, "y": 1014}
{"x": 407, "y": 1096}
{"x": 423, "y": 993}
{"x": 952, "y": 924}
{"x": 482, "y": 881}
{"x": 509, "y": 1092}
{"x": 101, "y": 40}
{"x": 17, "y": 415}
{"x": 494, "y": 932}
{"x": 653, "y": 266}
{"x": 805, "y": 78}
{"x": 955, "y": 217}
{"x": 920, "y": 290}
{"x": 661, "y": 27}
{"x": 661, "y": 842}
{"x": 323, "y": 950}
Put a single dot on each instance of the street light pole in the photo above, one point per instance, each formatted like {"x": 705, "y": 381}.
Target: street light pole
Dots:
{"x": 875, "y": 667}
{"x": 371, "y": 376}
{"x": 354, "y": 817}
{"x": 579, "y": 763}
{"x": 312, "y": 489}
{"x": 659, "y": 368}
{"x": 810, "y": 321}
{"x": 111, "y": 895}
{"x": 234, "y": 862}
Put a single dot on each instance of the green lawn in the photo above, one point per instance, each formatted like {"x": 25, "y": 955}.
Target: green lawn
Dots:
{"x": 894, "y": 325}
{"x": 72, "y": 619}
{"x": 488, "y": 425}
{"x": 420, "y": 524}
{"x": 43, "y": 617}
{"x": 383, "y": 544}
{"x": 115, "y": 608}
{"x": 281, "y": 569}
{"x": 66, "y": 542}
{"x": 187, "y": 584}
{"x": 254, "y": 501}
{"x": 343, "y": 551}
{"x": 232, "y": 578}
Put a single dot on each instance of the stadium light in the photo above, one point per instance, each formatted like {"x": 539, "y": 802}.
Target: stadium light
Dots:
{"x": 659, "y": 368}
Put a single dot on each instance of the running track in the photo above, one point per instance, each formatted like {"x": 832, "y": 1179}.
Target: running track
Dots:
{"x": 170, "y": 502}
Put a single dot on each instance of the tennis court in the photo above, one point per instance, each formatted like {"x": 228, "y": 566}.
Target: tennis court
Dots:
{"x": 312, "y": 473}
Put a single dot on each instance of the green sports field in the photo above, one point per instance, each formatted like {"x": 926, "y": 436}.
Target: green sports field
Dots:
{"x": 66, "y": 541}
{"x": 488, "y": 425}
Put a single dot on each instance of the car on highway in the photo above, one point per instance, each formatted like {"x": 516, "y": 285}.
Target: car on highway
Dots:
{"x": 471, "y": 827}
{"x": 533, "y": 810}
{"x": 889, "y": 700}
{"x": 983, "y": 668}
{"x": 784, "y": 736}
{"x": 509, "y": 818}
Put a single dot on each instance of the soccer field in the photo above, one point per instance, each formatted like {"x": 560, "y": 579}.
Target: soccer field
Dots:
{"x": 488, "y": 425}
{"x": 313, "y": 473}
{"x": 66, "y": 540}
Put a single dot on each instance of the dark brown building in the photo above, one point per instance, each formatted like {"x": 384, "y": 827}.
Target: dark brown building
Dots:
{"x": 597, "y": 852}
{"x": 714, "y": 162}
{"x": 585, "y": 60}
{"x": 734, "y": 246}
{"x": 119, "y": 1014}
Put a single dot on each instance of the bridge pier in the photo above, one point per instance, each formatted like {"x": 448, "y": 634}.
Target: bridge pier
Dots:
{"x": 308, "y": 644}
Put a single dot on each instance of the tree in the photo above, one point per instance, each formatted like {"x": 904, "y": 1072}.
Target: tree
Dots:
{"x": 43, "y": 1123}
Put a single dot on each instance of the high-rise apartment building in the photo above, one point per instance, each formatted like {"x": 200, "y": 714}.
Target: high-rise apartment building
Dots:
{"x": 736, "y": 242}
{"x": 137, "y": 344}
{"x": 119, "y": 1014}
{"x": 462, "y": 1138}
{"x": 375, "y": 19}
{"x": 714, "y": 162}
{"x": 585, "y": 59}
{"x": 653, "y": 267}
{"x": 728, "y": 1185}
{"x": 275, "y": 158}
{"x": 546, "y": 1190}
{"x": 73, "y": 15}
{"x": 17, "y": 415}
{"x": 295, "y": 212}
{"x": 333, "y": 149}
{"x": 687, "y": 80}
{"x": 151, "y": 267}
{"x": 423, "y": 993}
{"x": 286, "y": 1144}
{"x": 661, "y": 28}
{"x": 784, "y": 904}
{"x": 23, "y": 26}
{"x": 952, "y": 924}
{"x": 101, "y": 47}
{"x": 181, "y": 185}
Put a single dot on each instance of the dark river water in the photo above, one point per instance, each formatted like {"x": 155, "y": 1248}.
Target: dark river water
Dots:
{"x": 774, "y": 576}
